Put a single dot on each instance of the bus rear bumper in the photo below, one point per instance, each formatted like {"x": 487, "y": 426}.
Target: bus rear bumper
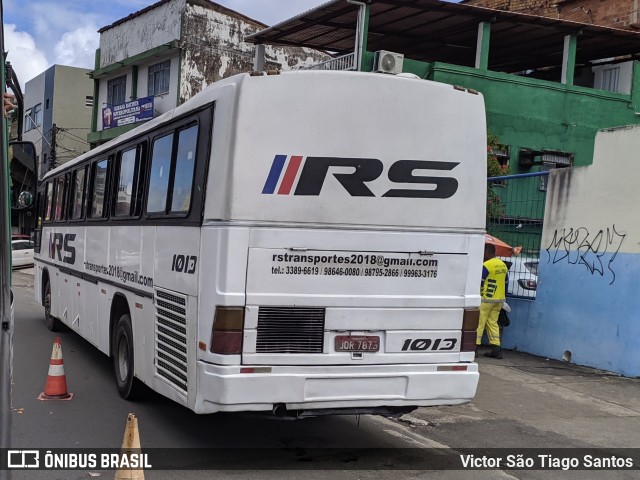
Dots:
{"x": 225, "y": 389}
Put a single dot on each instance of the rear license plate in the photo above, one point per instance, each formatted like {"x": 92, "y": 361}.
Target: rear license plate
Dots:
{"x": 352, "y": 343}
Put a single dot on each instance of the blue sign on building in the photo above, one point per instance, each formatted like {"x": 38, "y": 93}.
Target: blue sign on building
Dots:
{"x": 127, "y": 113}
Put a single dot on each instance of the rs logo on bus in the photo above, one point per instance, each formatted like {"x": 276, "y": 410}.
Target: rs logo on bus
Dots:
{"x": 422, "y": 344}
{"x": 59, "y": 242}
{"x": 315, "y": 170}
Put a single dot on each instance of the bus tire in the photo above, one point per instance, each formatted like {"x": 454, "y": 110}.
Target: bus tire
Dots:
{"x": 123, "y": 367}
{"x": 52, "y": 323}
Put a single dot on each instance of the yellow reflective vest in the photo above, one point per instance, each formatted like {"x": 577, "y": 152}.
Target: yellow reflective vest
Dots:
{"x": 494, "y": 281}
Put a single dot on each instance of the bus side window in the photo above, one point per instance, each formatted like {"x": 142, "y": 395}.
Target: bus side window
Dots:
{"x": 159, "y": 176}
{"x": 141, "y": 178}
{"x": 127, "y": 200}
{"x": 183, "y": 177}
{"x": 61, "y": 183}
{"x": 173, "y": 160}
{"x": 78, "y": 182}
{"x": 48, "y": 202}
{"x": 37, "y": 233}
{"x": 99, "y": 199}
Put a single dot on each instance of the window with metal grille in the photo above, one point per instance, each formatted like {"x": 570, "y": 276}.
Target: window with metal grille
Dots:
{"x": 551, "y": 160}
{"x": 159, "y": 78}
{"x": 116, "y": 90}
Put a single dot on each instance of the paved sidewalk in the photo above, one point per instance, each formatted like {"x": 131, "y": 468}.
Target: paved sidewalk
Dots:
{"x": 531, "y": 402}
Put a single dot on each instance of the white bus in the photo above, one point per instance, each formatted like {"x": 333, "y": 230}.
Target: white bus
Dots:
{"x": 304, "y": 243}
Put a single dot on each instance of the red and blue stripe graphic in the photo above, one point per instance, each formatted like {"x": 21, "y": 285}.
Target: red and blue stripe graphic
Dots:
{"x": 276, "y": 172}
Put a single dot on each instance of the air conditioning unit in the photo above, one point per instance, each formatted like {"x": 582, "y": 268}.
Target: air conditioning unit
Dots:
{"x": 388, "y": 62}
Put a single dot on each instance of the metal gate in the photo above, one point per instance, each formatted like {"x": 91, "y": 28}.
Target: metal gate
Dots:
{"x": 515, "y": 214}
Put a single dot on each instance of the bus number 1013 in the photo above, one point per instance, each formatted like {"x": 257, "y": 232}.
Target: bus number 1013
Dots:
{"x": 421, "y": 344}
{"x": 184, "y": 263}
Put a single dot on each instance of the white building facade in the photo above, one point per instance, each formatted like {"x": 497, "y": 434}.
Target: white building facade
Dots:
{"x": 57, "y": 115}
{"x": 155, "y": 59}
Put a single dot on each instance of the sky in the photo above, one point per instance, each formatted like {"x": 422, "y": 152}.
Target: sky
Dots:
{"x": 41, "y": 33}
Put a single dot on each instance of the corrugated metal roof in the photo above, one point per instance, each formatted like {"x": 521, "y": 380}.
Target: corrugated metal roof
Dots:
{"x": 432, "y": 30}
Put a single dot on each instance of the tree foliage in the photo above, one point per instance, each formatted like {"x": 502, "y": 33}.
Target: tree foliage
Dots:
{"x": 495, "y": 208}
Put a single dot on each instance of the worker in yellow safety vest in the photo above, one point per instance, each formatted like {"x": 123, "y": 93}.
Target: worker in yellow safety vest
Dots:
{"x": 493, "y": 290}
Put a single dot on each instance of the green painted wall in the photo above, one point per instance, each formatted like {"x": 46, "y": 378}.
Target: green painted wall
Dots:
{"x": 539, "y": 114}
{"x": 536, "y": 114}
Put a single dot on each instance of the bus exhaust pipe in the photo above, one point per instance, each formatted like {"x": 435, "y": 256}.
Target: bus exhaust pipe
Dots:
{"x": 279, "y": 410}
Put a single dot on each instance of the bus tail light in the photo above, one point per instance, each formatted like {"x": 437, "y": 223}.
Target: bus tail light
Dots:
{"x": 226, "y": 335}
{"x": 470, "y": 321}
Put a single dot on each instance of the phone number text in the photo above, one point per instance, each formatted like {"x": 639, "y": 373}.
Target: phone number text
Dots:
{"x": 355, "y": 271}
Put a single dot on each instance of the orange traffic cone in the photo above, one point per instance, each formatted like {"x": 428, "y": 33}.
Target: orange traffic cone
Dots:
{"x": 56, "y": 386}
{"x": 130, "y": 444}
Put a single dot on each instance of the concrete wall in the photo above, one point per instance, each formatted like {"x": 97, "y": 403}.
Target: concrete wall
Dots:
{"x": 33, "y": 95}
{"x": 141, "y": 33}
{"x": 209, "y": 45}
{"x": 214, "y": 48}
{"x": 62, "y": 91}
{"x": 587, "y": 300}
{"x": 161, "y": 103}
{"x": 71, "y": 86}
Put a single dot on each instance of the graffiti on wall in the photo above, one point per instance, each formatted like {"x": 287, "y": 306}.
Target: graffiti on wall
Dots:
{"x": 580, "y": 246}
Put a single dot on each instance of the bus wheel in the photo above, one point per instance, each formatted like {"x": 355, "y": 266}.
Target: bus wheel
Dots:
{"x": 128, "y": 385}
{"x": 52, "y": 322}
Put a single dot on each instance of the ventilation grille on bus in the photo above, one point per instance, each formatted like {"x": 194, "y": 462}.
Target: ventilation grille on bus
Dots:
{"x": 171, "y": 338}
{"x": 290, "y": 330}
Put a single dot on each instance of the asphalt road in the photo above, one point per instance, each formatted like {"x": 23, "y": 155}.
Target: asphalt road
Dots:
{"x": 522, "y": 401}
{"x": 96, "y": 418}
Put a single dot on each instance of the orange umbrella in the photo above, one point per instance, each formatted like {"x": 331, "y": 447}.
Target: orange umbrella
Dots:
{"x": 502, "y": 249}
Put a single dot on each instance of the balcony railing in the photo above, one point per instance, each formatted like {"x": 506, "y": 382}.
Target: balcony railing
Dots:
{"x": 343, "y": 62}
